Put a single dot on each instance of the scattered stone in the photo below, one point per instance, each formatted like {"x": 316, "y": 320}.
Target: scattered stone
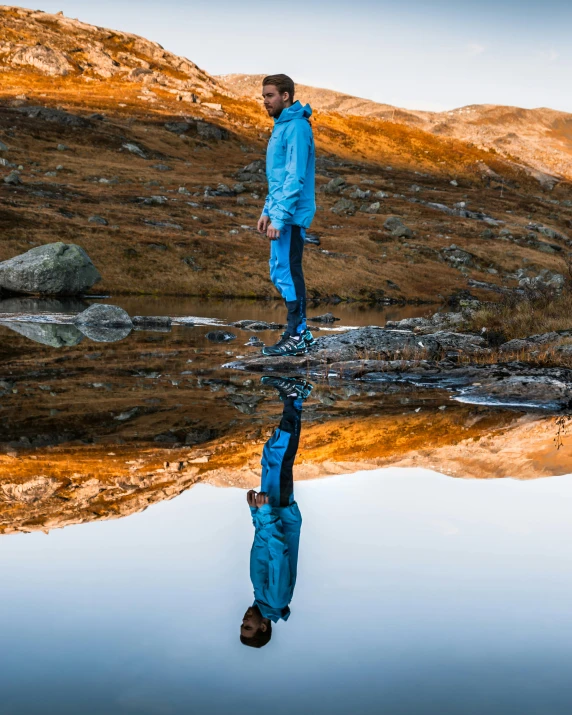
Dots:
{"x": 156, "y": 323}
{"x": 247, "y": 404}
{"x": 98, "y": 220}
{"x": 220, "y": 336}
{"x": 162, "y": 224}
{"x": 62, "y": 147}
{"x": 325, "y": 318}
{"x": 161, "y": 167}
{"x": 3, "y": 147}
{"x": 45, "y": 59}
{"x": 13, "y": 178}
{"x": 190, "y": 261}
{"x": 177, "y": 127}
{"x": 53, "y": 269}
{"x": 57, "y": 116}
{"x": 211, "y": 131}
{"x": 344, "y": 206}
{"x": 184, "y": 190}
{"x": 254, "y": 342}
{"x": 104, "y": 323}
{"x": 134, "y": 149}
{"x": 397, "y": 228}
{"x": 199, "y": 435}
{"x": 334, "y": 186}
{"x": 153, "y": 200}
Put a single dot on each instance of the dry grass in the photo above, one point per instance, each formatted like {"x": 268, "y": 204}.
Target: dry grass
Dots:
{"x": 520, "y": 318}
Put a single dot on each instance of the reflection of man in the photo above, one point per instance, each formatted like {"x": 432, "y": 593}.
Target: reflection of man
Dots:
{"x": 277, "y": 520}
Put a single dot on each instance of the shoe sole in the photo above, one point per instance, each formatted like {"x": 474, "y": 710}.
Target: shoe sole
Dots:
{"x": 290, "y": 353}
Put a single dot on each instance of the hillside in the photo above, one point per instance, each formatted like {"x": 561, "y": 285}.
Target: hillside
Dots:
{"x": 537, "y": 138}
{"x": 156, "y": 168}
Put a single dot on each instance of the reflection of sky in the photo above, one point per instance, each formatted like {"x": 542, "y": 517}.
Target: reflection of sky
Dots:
{"x": 416, "y": 593}
{"x": 436, "y": 55}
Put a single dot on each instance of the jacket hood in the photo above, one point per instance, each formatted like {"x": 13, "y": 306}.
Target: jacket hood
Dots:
{"x": 296, "y": 111}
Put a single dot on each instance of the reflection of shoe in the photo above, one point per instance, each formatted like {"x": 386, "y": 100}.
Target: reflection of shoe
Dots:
{"x": 287, "y": 345}
{"x": 289, "y": 386}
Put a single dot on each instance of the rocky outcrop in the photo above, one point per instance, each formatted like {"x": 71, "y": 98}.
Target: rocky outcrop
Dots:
{"x": 48, "y": 61}
{"x": 53, "y": 269}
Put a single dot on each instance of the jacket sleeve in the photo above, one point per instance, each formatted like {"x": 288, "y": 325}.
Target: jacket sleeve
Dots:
{"x": 298, "y": 144}
{"x": 265, "y": 211}
{"x": 270, "y": 563}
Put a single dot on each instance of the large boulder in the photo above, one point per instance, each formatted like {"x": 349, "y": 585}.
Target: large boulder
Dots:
{"x": 56, "y": 336}
{"x": 53, "y": 269}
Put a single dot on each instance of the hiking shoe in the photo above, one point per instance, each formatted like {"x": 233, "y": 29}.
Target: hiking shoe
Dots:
{"x": 308, "y": 338}
{"x": 289, "y": 386}
{"x": 287, "y": 345}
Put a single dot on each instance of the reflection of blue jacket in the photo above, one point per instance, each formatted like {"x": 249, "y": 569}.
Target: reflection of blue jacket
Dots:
{"x": 290, "y": 169}
{"x": 274, "y": 558}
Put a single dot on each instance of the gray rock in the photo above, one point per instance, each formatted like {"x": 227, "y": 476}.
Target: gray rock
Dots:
{"x": 45, "y": 59}
{"x": 397, "y": 228}
{"x": 153, "y": 200}
{"x": 358, "y": 193}
{"x": 373, "y": 208}
{"x": 334, "y": 186}
{"x": 220, "y": 336}
{"x": 53, "y": 269}
{"x": 161, "y": 167}
{"x": 162, "y": 224}
{"x": 211, "y": 131}
{"x": 13, "y": 178}
{"x": 3, "y": 147}
{"x": 56, "y": 336}
{"x": 98, "y": 220}
{"x": 111, "y": 316}
{"x": 158, "y": 323}
{"x": 344, "y": 206}
{"x": 540, "y": 391}
{"x": 177, "y": 127}
{"x": 326, "y": 318}
{"x": 252, "y": 325}
{"x": 247, "y": 404}
{"x": 199, "y": 435}
{"x": 56, "y": 116}
{"x": 104, "y": 323}
{"x": 62, "y": 147}
{"x": 134, "y": 149}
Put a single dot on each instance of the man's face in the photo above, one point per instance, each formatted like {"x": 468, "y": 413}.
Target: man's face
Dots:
{"x": 274, "y": 102}
{"x": 251, "y": 622}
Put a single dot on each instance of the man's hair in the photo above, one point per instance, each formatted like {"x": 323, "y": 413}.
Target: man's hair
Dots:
{"x": 282, "y": 82}
{"x": 259, "y": 639}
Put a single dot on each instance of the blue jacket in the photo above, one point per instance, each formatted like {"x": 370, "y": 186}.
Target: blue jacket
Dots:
{"x": 274, "y": 558}
{"x": 290, "y": 169}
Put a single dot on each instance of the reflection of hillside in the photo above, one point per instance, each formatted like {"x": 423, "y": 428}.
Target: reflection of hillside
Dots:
{"x": 68, "y": 485}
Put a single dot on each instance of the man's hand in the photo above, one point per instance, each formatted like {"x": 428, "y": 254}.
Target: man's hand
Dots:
{"x": 255, "y": 500}
{"x": 273, "y": 233}
{"x": 263, "y": 222}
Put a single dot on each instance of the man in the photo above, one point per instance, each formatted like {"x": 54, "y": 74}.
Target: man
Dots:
{"x": 276, "y": 519}
{"x": 289, "y": 207}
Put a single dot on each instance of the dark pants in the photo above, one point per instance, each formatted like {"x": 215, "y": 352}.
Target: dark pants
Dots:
{"x": 279, "y": 454}
{"x": 287, "y": 275}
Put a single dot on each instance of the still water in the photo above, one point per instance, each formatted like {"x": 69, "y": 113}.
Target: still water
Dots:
{"x": 416, "y": 592}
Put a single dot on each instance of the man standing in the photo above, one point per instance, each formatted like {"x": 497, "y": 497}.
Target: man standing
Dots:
{"x": 289, "y": 207}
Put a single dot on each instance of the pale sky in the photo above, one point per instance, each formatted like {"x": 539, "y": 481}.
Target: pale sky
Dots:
{"x": 418, "y": 55}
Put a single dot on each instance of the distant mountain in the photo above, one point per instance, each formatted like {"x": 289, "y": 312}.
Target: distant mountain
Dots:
{"x": 539, "y": 138}
{"x": 60, "y": 47}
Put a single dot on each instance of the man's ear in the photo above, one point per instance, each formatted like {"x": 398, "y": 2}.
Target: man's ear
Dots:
{"x": 263, "y": 627}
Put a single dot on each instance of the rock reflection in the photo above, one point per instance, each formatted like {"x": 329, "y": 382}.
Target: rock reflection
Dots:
{"x": 276, "y": 518}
